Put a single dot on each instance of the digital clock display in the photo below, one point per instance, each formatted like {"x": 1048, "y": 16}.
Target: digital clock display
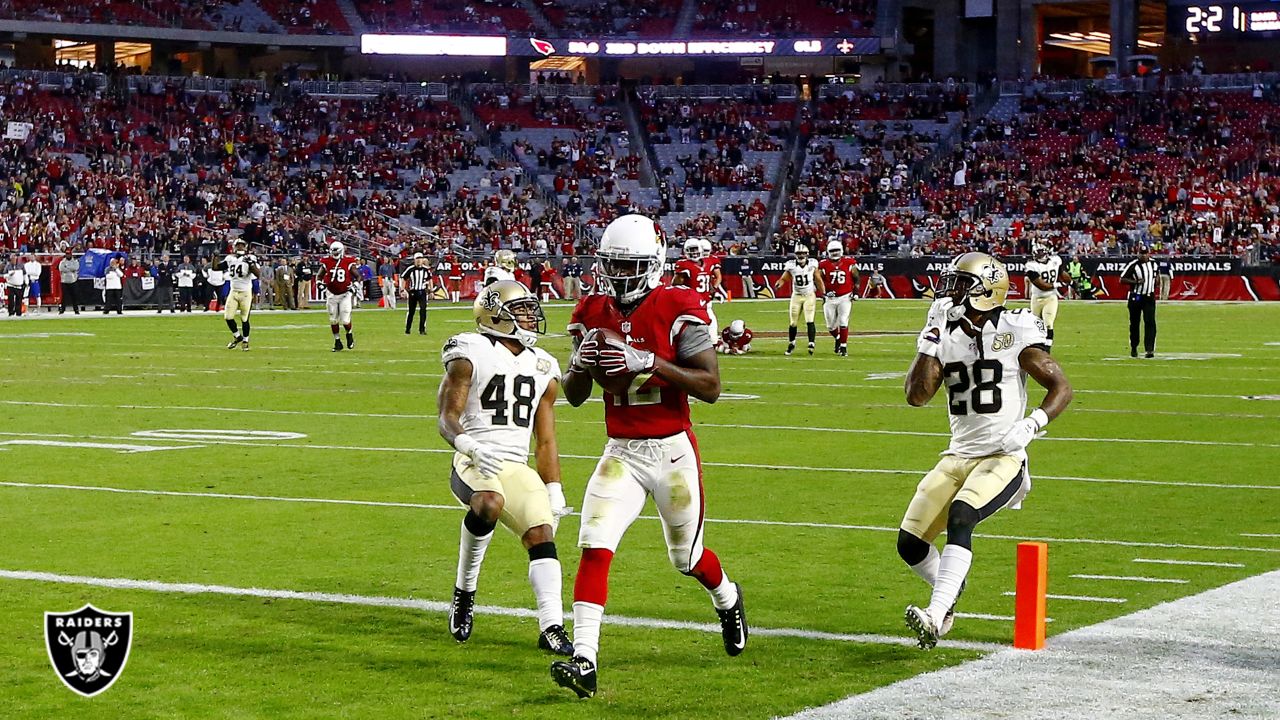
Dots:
{"x": 1225, "y": 18}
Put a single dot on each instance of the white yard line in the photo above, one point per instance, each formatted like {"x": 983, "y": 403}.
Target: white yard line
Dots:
{"x": 718, "y": 521}
{"x": 1133, "y": 578}
{"x": 756, "y": 466}
{"x": 705, "y": 464}
{"x": 733, "y": 426}
{"x": 1260, "y": 535}
{"x": 1077, "y": 598}
{"x": 437, "y": 606}
{"x": 1202, "y": 563}
{"x": 1203, "y": 656}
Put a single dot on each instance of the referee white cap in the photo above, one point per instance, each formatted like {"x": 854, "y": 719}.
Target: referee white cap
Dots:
{"x": 417, "y": 256}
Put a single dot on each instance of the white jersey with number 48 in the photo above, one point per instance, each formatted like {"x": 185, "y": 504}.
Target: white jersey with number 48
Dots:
{"x": 802, "y": 276}
{"x": 505, "y": 388}
{"x": 986, "y": 386}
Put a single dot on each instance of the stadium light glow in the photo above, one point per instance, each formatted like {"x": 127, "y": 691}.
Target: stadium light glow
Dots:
{"x": 459, "y": 45}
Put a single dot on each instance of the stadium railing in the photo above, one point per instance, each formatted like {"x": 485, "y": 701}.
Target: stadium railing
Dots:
{"x": 1149, "y": 83}
{"x": 898, "y": 90}
{"x": 781, "y": 91}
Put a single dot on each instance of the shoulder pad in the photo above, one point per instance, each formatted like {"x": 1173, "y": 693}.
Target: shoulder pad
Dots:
{"x": 456, "y": 347}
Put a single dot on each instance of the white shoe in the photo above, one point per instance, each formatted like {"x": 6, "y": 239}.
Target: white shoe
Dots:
{"x": 922, "y": 625}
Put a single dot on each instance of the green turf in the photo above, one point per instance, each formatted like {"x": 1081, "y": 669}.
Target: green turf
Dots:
{"x": 217, "y": 656}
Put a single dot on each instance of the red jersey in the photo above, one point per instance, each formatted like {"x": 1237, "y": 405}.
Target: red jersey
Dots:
{"x": 840, "y": 275}
{"x": 739, "y": 343}
{"x": 338, "y": 274}
{"x": 699, "y": 278}
{"x": 655, "y": 409}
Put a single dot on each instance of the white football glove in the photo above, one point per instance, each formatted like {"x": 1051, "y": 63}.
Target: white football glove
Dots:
{"x": 555, "y": 492}
{"x": 619, "y": 358}
{"x": 935, "y": 325}
{"x": 1024, "y": 431}
{"x": 586, "y": 353}
{"x": 486, "y": 458}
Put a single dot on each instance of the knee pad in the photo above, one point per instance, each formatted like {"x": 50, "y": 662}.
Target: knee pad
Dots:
{"x": 680, "y": 560}
{"x": 911, "y": 549}
{"x": 961, "y": 520}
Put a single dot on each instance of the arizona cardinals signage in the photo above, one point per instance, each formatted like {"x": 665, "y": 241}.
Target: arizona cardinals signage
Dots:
{"x": 604, "y": 46}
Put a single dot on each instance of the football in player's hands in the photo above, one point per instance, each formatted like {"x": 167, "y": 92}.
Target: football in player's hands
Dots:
{"x": 616, "y": 382}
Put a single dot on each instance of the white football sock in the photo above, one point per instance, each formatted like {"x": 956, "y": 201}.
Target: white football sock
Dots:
{"x": 952, "y": 570}
{"x": 544, "y": 576}
{"x": 471, "y": 551}
{"x": 586, "y": 629}
{"x": 927, "y": 568}
{"x": 725, "y": 595}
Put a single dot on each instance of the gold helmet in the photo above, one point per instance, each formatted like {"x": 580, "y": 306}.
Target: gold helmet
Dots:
{"x": 975, "y": 280}
{"x": 501, "y": 307}
{"x": 505, "y": 259}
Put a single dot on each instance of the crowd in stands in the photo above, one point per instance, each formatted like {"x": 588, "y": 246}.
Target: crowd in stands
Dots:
{"x": 760, "y": 18}
{"x": 483, "y": 16}
{"x": 645, "y": 18}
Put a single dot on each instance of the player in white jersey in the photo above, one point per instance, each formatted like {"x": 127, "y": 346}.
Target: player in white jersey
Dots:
{"x": 503, "y": 267}
{"x": 1043, "y": 273}
{"x": 240, "y": 268}
{"x": 806, "y": 285}
{"x": 983, "y": 353}
{"x": 497, "y": 392}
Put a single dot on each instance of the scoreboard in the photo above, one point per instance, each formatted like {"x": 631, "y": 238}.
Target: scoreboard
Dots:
{"x": 1213, "y": 20}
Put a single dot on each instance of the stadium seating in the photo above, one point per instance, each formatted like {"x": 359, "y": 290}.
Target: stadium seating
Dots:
{"x": 445, "y": 15}
{"x": 721, "y": 18}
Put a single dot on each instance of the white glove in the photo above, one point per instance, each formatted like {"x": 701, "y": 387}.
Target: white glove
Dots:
{"x": 555, "y": 492}
{"x": 486, "y": 458}
{"x": 1024, "y": 431}
{"x": 935, "y": 325}
{"x": 586, "y": 353}
{"x": 618, "y": 358}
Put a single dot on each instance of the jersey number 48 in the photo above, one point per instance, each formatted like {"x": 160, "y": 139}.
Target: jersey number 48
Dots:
{"x": 519, "y": 410}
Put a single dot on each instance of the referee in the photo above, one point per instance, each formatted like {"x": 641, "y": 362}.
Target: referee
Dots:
{"x": 1140, "y": 276}
{"x": 417, "y": 279}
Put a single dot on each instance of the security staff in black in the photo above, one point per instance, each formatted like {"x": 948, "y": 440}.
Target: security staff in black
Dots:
{"x": 417, "y": 280}
{"x": 1140, "y": 276}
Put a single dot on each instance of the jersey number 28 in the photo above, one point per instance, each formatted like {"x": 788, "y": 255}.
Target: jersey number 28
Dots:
{"x": 519, "y": 410}
{"x": 983, "y": 396}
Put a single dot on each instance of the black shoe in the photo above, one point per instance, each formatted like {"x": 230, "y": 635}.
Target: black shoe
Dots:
{"x": 844, "y": 351}
{"x": 422, "y": 332}
{"x": 791, "y": 347}
{"x": 406, "y": 331}
{"x": 733, "y": 626}
{"x": 234, "y": 342}
{"x": 578, "y": 674}
{"x": 810, "y": 348}
{"x": 351, "y": 341}
{"x": 337, "y": 345}
{"x": 462, "y": 614}
{"x": 556, "y": 640}
{"x": 1133, "y": 352}
{"x": 1149, "y": 355}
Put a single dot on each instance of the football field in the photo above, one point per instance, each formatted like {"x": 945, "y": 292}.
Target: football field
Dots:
{"x": 279, "y": 521}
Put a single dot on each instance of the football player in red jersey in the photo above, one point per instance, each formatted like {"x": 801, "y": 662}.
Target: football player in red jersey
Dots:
{"x": 651, "y": 450}
{"x": 696, "y": 270}
{"x": 736, "y": 339}
{"x": 840, "y": 276}
{"x": 340, "y": 275}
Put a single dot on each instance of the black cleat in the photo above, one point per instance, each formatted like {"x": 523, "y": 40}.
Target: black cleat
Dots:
{"x": 810, "y": 348}
{"x": 422, "y": 332}
{"x": 337, "y": 345}
{"x": 234, "y": 342}
{"x": 733, "y": 626}
{"x": 351, "y": 341}
{"x": 1133, "y": 352}
{"x": 1149, "y": 355}
{"x": 578, "y": 674}
{"x": 462, "y": 614}
{"x": 843, "y": 351}
{"x": 554, "y": 639}
{"x": 245, "y": 345}
{"x": 791, "y": 347}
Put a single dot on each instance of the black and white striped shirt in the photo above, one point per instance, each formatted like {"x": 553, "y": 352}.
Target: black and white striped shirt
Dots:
{"x": 1143, "y": 275}
{"x": 417, "y": 278}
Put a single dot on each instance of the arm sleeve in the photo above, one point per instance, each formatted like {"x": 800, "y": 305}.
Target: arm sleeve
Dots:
{"x": 693, "y": 339}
